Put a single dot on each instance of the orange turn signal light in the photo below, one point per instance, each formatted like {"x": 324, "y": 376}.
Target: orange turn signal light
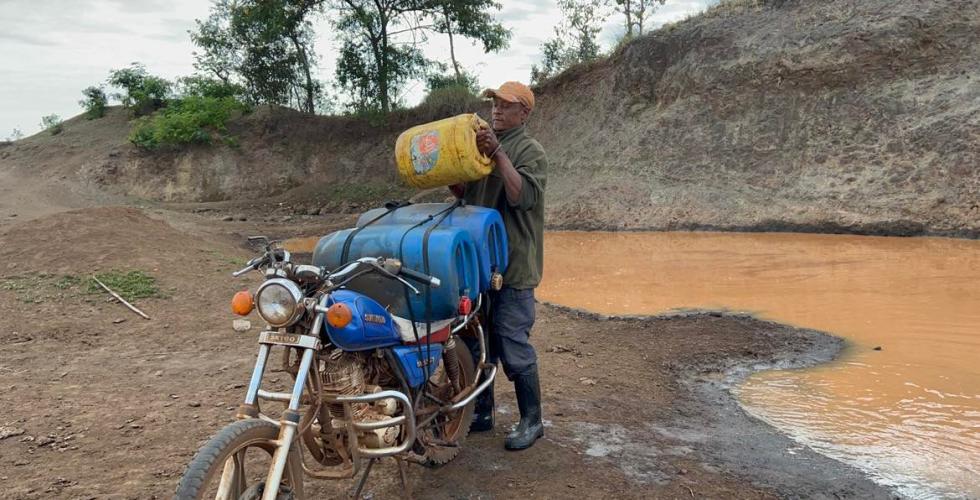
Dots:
{"x": 339, "y": 315}
{"x": 242, "y": 303}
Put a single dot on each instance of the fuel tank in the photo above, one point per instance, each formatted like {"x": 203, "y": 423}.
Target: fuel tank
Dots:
{"x": 370, "y": 327}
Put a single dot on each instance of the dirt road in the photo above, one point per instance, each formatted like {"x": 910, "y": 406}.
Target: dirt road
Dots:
{"x": 98, "y": 403}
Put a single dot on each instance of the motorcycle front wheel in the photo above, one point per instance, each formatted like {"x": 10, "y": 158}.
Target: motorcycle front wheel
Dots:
{"x": 234, "y": 463}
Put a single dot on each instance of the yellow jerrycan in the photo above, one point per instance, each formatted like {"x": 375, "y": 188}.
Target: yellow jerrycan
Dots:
{"x": 442, "y": 153}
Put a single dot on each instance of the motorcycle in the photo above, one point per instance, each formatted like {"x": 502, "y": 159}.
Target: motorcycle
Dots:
{"x": 359, "y": 393}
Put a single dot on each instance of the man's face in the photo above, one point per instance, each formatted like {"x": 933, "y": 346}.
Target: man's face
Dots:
{"x": 507, "y": 115}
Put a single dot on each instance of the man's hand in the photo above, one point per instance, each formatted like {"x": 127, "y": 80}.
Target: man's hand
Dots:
{"x": 486, "y": 141}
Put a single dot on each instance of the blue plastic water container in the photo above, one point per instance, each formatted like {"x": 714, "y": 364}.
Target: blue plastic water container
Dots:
{"x": 452, "y": 259}
{"x": 483, "y": 224}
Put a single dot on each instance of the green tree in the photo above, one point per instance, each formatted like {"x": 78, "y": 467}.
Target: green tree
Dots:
{"x": 94, "y": 103}
{"x": 52, "y": 123}
{"x": 267, "y": 45}
{"x": 380, "y": 42}
{"x": 143, "y": 93}
{"x": 575, "y": 40}
{"x": 471, "y": 19}
{"x": 635, "y": 14}
{"x": 203, "y": 86}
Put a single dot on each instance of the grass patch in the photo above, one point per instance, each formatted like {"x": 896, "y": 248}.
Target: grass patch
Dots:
{"x": 43, "y": 287}
{"x": 38, "y": 288}
{"x": 67, "y": 281}
{"x": 130, "y": 285}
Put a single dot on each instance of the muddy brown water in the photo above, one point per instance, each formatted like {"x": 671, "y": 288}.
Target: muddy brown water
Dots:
{"x": 909, "y": 413}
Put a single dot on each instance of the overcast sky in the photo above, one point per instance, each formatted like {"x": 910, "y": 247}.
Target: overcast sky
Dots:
{"x": 51, "y": 49}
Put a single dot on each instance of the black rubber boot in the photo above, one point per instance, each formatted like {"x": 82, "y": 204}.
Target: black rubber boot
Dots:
{"x": 530, "y": 428}
{"x": 483, "y": 412}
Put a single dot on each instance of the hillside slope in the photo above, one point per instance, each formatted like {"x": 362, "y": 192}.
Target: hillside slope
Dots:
{"x": 857, "y": 116}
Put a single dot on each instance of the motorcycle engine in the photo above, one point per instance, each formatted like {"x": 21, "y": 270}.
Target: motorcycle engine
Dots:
{"x": 345, "y": 374}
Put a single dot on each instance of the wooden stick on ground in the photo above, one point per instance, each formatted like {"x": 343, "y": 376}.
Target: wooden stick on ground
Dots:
{"x": 120, "y": 299}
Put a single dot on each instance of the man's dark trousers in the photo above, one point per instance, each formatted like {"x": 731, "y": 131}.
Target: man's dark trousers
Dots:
{"x": 511, "y": 318}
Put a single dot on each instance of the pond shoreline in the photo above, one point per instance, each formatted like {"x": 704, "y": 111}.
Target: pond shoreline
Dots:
{"x": 709, "y": 417}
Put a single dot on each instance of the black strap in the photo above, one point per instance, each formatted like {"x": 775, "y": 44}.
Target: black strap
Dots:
{"x": 391, "y": 206}
{"x": 428, "y": 289}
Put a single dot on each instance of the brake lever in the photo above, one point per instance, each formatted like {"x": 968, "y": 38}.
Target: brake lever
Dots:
{"x": 252, "y": 265}
{"x": 406, "y": 283}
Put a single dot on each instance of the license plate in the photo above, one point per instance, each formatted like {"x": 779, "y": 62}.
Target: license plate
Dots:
{"x": 290, "y": 339}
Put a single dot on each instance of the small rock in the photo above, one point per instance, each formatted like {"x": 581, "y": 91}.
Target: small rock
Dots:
{"x": 241, "y": 218}
{"x": 13, "y": 215}
{"x": 682, "y": 471}
{"x": 194, "y": 404}
{"x": 234, "y": 386}
{"x": 6, "y": 432}
{"x": 135, "y": 426}
{"x": 118, "y": 320}
{"x": 313, "y": 211}
{"x": 158, "y": 373}
{"x": 174, "y": 396}
{"x": 877, "y": 348}
{"x": 21, "y": 462}
{"x": 241, "y": 325}
{"x": 227, "y": 218}
{"x": 587, "y": 381}
{"x": 45, "y": 441}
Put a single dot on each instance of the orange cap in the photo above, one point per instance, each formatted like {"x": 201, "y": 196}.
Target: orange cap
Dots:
{"x": 513, "y": 92}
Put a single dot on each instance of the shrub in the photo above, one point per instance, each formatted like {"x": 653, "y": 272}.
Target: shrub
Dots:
{"x": 440, "y": 81}
{"x": 448, "y": 101}
{"x": 15, "y": 135}
{"x": 144, "y": 93}
{"x": 52, "y": 123}
{"x": 94, "y": 103}
{"x": 191, "y": 120}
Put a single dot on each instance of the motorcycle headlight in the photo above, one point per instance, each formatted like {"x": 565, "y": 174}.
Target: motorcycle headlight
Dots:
{"x": 278, "y": 302}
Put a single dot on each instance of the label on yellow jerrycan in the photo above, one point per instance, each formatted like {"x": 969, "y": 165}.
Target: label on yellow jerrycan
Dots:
{"x": 442, "y": 153}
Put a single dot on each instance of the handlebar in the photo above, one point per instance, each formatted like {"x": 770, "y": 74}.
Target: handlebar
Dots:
{"x": 432, "y": 281}
{"x": 390, "y": 267}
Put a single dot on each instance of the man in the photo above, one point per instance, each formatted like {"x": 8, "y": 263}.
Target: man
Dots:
{"x": 516, "y": 189}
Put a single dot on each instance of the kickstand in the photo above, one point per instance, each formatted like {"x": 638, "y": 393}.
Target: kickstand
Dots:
{"x": 360, "y": 482}
{"x": 402, "y": 474}
{"x": 406, "y": 488}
